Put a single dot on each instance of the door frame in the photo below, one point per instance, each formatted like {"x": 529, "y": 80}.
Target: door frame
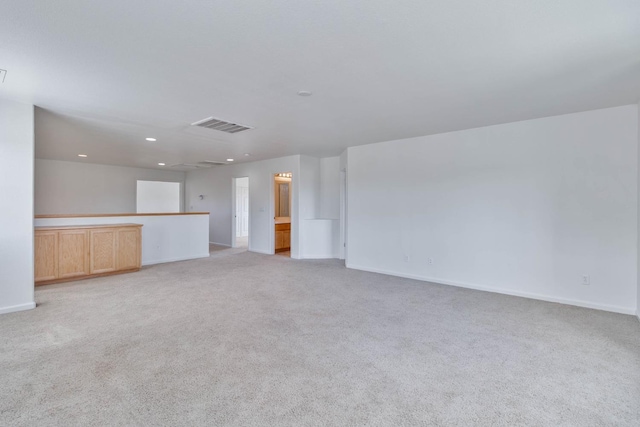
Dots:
{"x": 272, "y": 211}
{"x": 234, "y": 213}
{"x": 342, "y": 250}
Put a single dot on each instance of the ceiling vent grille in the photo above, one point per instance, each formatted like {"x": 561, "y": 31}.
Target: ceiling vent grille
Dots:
{"x": 211, "y": 163}
{"x": 221, "y": 125}
{"x": 203, "y": 164}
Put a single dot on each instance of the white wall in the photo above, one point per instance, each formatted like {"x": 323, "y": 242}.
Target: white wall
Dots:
{"x": 157, "y": 197}
{"x": 165, "y": 238}
{"x": 215, "y": 184}
{"x": 310, "y": 182}
{"x": 523, "y": 208}
{"x": 80, "y": 188}
{"x": 16, "y": 212}
{"x": 638, "y": 264}
{"x": 329, "y": 246}
{"x": 319, "y": 238}
{"x": 330, "y": 187}
{"x": 342, "y": 233}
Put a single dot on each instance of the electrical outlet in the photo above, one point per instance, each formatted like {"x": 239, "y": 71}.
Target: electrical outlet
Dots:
{"x": 430, "y": 261}
{"x": 406, "y": 258}
{"x": 585, "y": 279}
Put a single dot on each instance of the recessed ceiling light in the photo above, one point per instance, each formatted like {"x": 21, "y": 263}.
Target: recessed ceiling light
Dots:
{"x": 82, "y": 155}
{"x": 304, "y": 93}
{"x": 229, "y": 160}
{"x": 151, "y": 139}
{"x": 161, "y": 164}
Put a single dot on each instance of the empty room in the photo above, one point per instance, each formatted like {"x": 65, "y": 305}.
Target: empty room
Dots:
{"x": 320, "y": 213}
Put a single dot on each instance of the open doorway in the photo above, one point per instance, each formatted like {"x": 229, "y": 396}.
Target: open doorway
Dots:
{"x": 240, "y": 205}
{"x": 282, "y": 218}
{"x": 343, "y": 215}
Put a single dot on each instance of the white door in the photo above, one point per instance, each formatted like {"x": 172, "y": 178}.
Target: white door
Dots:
{"x": 244, "y": 210}
{"x": 239, "y": 211}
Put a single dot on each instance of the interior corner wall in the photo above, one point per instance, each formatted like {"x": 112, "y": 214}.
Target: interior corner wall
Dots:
{"x": 215, "y": 185}
{"x": 344, "y": 159}
{"x": 526, "y": 208}
{"x": 329, "y": 188}
{"x": 63, "y": 187}
{"x": 310, "y": 181}
{"x": 16, "y": 215}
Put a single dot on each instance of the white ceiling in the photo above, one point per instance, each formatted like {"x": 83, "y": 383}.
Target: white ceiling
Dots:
{"x": 107, "y": 74}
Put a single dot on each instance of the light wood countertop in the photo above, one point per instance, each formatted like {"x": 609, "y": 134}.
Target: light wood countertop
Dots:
{"x": 116, "y": 214}
{"x": 68, "y": 227}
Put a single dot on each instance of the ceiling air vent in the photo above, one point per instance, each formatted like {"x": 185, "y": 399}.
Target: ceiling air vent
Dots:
{"x": 203, "y": 164}
{"x": 221, "y": 125}
{"x": 210, "y": 163}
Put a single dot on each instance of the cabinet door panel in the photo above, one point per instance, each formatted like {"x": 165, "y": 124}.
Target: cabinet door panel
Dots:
{"x": 103, "y": 250}
{"x": 46, "y": 255}
{"x": 287, "y": 239}
{"x": 73, "y": 253}
{"x": 128, "y": 248}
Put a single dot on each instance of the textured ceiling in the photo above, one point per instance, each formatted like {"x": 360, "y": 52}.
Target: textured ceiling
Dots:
{"x": 107, "y": 74}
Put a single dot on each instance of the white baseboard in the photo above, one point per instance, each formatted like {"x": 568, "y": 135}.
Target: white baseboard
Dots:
{"x": 259, "y": 251}
{"x": 578, "y": 303}
{"x": 219, "y": 244}
{"x": 162, "y": 261}
{"x": 323, "y": 256}
{"x": 20, "y": 307}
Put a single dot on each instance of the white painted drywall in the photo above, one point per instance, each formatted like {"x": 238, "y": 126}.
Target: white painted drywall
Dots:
{"x": 310, "y": 182}
{"x": 165, "y": 238}
{"x": 638, "y": 263}
{"x": 342, "y": 233}
{"x": 16, "y": 213}
{"x": 330, "y": 188}
{"x": 524, "y": 208}
{"x": 319, "y": 206}
{"x": 158, "y": 197}
{"x": 215, "y": 184}
{"x": 80, "y": 188}
{"x": 319, "y": 235}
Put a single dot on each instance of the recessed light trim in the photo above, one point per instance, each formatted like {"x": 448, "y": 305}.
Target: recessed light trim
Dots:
{"x": 151, "y": 139}
{"x": 161, "y": 164}
{"x": 304, "y": 93}
{"x": 82, "y": 155}
{"x": 229, "y": 160}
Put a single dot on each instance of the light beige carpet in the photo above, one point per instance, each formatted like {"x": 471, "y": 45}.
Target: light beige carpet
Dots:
{"x": 252, "y": 340}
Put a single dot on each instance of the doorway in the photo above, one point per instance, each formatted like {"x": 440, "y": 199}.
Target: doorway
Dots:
{"x": 240, "y": 206}
{"x": 282, "y": 213}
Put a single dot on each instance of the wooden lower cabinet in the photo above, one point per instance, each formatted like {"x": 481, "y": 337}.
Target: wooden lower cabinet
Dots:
{"x": 283, "y": 237}
{"x": 128, "y": 255}
{"x": 79, "y": 252}
{"x": 46, "y": 255}
{"x": 103, "y": 250}
{"x": 73, "y": 254}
